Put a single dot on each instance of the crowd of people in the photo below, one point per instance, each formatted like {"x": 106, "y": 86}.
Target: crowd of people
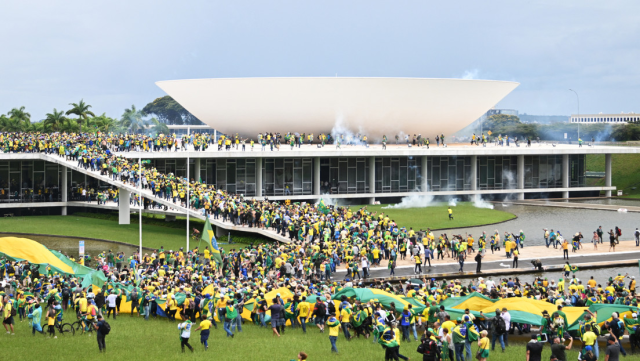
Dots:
{"x": 322, "y": 238}
{"x": 166, "y": 282}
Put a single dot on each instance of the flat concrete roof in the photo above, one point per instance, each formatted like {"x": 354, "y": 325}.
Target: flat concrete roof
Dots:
{"x": 376, "y": 150}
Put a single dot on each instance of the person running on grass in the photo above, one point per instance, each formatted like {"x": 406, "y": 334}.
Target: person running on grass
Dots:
{"x": 185, "y": 334}
{"x": 204, "y": 327}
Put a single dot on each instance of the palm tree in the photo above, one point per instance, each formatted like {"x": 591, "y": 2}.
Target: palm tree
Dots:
{"x": 69, "y": 126}
{"x": 132, "y": 119}
{"x": 20, "y": 115}
{"x": 54, "y": 120}
{"x": 158, "y": 127}
{"x": 81, "y": 109}
{"x": 11, "y": 124}
{"x": 105, "y": 123}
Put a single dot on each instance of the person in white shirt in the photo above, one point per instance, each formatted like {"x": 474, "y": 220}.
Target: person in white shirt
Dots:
{"x": 185, "y": 327}
{"x": 506, "y": 316}
{"x": 365, "y": 267}
{"x": 111, "y": 304}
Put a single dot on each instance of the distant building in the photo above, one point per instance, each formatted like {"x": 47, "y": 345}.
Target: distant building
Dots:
{"x": 543, "y": 119}
{"x": 190, "y": 129}
{"x": 494, "y": 111}
{"x": 605, "y": 118}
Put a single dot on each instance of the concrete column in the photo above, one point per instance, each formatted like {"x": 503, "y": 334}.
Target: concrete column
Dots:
{"x": 372, "y": 178}
{"x": 64, "y": 188}
{"x": 520, "y": 176}
{"x": 196, "y": 163}
{"x": 258, "y": 177}
{"x": 474, "y": 172}
{"x": 607, "y": 173}
{"x": 316, "y": 176}
{"x": 474, "y": 177}
{"x": 424, "y": 185}
{"x": 565, "y": 175}
{"x": 123, "y": 207}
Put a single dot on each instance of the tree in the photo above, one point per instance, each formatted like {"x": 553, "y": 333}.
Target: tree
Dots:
{"x": 105, "y": 124}
{"x": 158, "y": 127}
{"x": 54, "y": 120}
{"x": 20, "y": 115}
{"x": 81, "y": 109}
{"x": 497, "y": 121}
{"x": 169, "y": 111}
{"x": 132, "y": 119}
{"x": 11, "y": 124}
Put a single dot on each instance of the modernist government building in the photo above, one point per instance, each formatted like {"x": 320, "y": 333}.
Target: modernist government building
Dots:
{"x": 356, "y": 174}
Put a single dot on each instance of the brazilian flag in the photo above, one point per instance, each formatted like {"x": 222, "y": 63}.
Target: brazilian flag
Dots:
{"x": 210, "y": 239}
{"x": 388, "y": 338}
{"x": 323, "y": 207}
{"x": 573, "y": 269}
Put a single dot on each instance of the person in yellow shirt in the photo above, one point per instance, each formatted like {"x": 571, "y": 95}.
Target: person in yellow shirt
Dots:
{"x": 334, "y": 331}
{"x": 82, "y": 304}
{"x": 204, "y": 327}
{"x": 6, "y": 312}
{"x": 51, "y": 322}
{"x": 172, "y": 307}
{"x": 483, "y": 345}
{"x": 303, "y": 312}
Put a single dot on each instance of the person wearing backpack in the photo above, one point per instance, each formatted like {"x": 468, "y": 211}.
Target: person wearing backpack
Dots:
{"x": 102, "y": 330}
{"x": 616, "y": 328}
{"x": 135, "y": 301}
{"x": 428, "y": 348}
{"x": 498, "y": 330}
{"x": 66, "y": 295}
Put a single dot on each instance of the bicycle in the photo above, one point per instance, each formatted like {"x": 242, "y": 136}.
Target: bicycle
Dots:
{"x": 64, "y": 328}
{"x": 82, "y": 324}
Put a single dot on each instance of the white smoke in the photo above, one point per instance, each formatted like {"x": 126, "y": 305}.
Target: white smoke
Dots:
{"x": 340, "y": 130}
{"x": 413, "y": 201}
{"x": 329, "y": 201}
{"x": 478, "y": 202}
{"x": 453, "y": 202}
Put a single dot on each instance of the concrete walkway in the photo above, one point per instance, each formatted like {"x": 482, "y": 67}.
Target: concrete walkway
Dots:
{"x": 625, "y": 251}
{"x": 560, "y": 204}
{"x": 146, "y": 193}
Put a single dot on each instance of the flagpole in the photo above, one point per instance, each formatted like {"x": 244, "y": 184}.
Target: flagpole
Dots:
{"x": 187, "y": 198}
{"x": 140, "y": 207}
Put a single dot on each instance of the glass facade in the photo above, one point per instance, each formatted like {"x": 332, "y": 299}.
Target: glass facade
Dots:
{"x": 287, "y": 176}
{"x": 40, "y": 181}
{"x": 344, "y": 175}
{"x": 448, "y": 173}
{"x": 543, "y": 171}
{"x": 29, "y": 181}
{"x": 497, "y": 172}
{"x": 397, "y": 174}
{"x": 577, "y": 168}
{"x": 231, "y": 175}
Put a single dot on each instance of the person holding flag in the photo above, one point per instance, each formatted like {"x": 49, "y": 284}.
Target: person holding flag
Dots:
{"x": 210, "y": 239}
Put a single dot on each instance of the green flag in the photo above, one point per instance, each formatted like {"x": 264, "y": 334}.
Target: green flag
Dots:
{"x": 323, "y": 207}
{"x": 210, "y": 239}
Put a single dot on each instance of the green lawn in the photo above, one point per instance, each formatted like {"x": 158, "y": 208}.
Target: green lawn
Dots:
{"x": 625, "y": 171}
{"x": 436, "y": 216}
{"x": 136, "y": 339}
{"x": 171, "y": 236}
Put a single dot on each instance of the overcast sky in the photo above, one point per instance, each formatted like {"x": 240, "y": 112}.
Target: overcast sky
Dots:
{"x": 110, "y": 53}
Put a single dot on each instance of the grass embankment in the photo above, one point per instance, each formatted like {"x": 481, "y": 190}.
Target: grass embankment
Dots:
{"x": 155, "y": 232}
{"x": 136, "y": 339}
{"x": 625, "y": 172}
{"x": 437, "y": 217}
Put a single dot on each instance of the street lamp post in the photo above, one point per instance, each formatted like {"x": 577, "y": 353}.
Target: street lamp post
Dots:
{"x": 578, "y": 98}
